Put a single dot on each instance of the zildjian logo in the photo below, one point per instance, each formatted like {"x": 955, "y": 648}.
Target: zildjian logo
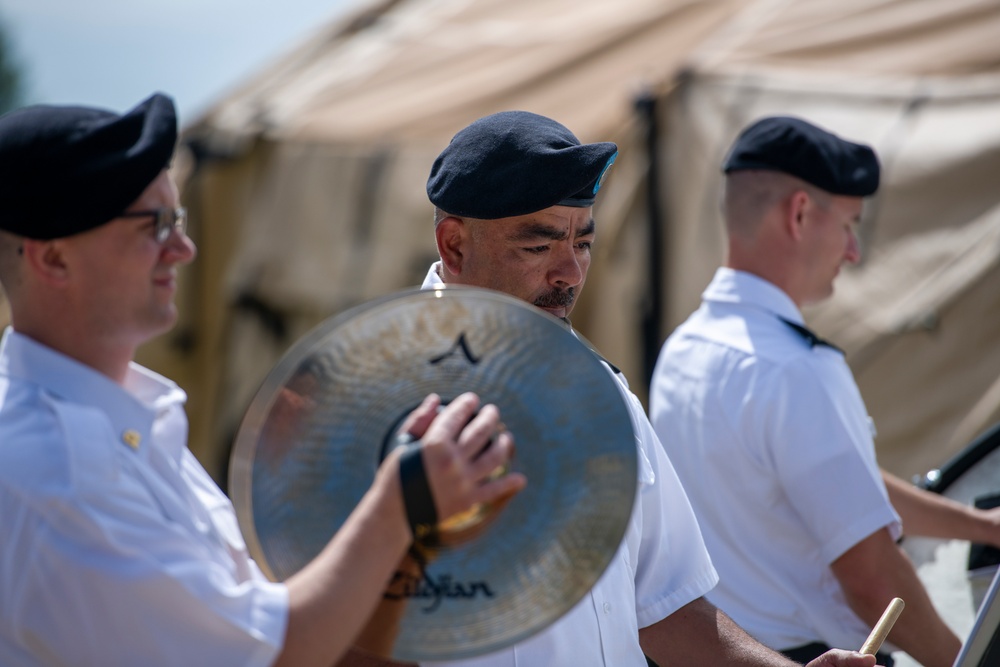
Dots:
{"x": 461, "y": 345}
{"x": 412, "y": 586}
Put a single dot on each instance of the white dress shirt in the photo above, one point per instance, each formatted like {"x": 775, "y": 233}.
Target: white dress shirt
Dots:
{"x": 117, "y": 548}
{"x": 774, "y": 446}
{"x": 660, "y": 566}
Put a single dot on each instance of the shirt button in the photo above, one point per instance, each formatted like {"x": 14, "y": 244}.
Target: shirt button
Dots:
{"x": 607, "y": 607}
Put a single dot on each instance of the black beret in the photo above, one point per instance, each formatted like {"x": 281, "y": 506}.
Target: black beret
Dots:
{"x": 793, "y": 146}
{"x": 514, "y": 163}
{"x": 67, "y": 169}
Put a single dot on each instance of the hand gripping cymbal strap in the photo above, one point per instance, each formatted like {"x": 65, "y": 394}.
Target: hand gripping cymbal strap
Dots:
{"x": 417, "y": 497}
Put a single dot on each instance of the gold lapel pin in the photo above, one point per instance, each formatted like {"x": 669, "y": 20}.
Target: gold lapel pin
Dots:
{"x": 132, "y": 438}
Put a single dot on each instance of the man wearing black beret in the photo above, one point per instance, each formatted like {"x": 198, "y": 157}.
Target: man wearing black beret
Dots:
{"x": 118, "y": 549}
{"x": 767, "y": 429}
{"x": 513, "y": 195}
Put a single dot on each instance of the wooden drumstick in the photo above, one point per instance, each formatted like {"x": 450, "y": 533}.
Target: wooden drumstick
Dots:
{"x": 881, "y": 629}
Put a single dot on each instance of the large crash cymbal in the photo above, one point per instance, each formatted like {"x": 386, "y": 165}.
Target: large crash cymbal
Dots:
{"x": 314, "y": 435}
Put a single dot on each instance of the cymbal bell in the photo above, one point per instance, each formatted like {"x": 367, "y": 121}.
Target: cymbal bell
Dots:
{"x": 314, "y": 435}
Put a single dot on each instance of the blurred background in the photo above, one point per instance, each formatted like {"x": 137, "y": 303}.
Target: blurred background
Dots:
{"x": 309, "y": 128}
{"x": 112, "y": 53}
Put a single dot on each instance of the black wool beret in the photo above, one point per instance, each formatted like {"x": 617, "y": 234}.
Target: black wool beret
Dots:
{"x": 67, "y": 169}
{"x": 514, "y": 163}
{"x": 793, "y": 146}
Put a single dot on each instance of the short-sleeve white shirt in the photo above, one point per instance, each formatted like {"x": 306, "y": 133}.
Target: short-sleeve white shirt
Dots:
{"x": 117, "y": 548}
{"x": 772, "y": 440}
{"x": 661, "y": 565}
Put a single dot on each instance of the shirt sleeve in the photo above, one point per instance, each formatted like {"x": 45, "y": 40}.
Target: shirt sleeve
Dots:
{"x": 820, "y": 438}
{"x": 672, "y": 565}
{"x": 102, "y": 578}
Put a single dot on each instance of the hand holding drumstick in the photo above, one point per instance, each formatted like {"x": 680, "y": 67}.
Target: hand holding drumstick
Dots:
{"x": 839, "y": 658}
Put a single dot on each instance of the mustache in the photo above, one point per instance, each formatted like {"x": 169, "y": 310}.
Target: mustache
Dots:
{"x": 557, "y": 298}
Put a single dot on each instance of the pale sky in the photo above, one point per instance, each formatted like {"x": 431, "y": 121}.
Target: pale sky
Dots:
{"x": 114, "y": 53}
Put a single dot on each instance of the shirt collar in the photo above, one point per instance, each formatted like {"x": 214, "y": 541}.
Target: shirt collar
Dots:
{"x": 732, "y": 286}
{"x": 433, "y": 276}
{"x": 131, "y": 408}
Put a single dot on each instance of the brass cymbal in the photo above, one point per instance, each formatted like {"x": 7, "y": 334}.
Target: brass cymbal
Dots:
{"x": 315, "y": 433}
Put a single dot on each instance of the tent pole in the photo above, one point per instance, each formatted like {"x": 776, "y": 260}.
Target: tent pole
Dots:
{"x": 653, "y": 306}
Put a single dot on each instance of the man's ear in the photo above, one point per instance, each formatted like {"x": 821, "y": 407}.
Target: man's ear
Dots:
{"x": 46, "y": 260}
{"x": 451, "y": 233}
{"x": 795, "y": 213}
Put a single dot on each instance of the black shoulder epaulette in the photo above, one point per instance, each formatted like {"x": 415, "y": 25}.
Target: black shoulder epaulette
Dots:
{"x": 809, "y": 336}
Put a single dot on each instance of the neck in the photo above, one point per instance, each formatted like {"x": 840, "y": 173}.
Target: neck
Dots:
{"x": 105, "y": 357}
{"x": 772, "y": 269}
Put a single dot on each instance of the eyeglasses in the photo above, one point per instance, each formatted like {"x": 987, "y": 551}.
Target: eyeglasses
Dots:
{"x": 167, "y": 220}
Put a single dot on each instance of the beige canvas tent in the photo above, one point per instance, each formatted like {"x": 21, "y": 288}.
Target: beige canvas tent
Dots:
{"x": 306, "y": 184}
